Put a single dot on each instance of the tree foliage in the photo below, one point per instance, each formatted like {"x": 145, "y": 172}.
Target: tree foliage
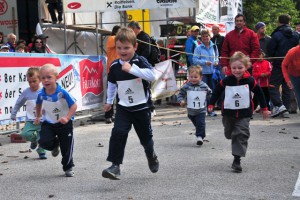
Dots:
{"x": 267, "y": 11}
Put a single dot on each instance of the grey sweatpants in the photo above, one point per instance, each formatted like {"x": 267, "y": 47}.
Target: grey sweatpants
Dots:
{"x": 239, "y": 132}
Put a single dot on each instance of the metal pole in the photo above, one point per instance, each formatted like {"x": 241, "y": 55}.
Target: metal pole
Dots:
{"x": 97, "y": 39}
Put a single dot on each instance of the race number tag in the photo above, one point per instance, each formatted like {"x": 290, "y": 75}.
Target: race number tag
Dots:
{"x": 131, "y": 92}
{"x": 196, "y": 99}
{"x": 237, "y": 97}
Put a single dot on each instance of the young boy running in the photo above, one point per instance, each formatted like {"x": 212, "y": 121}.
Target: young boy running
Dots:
{"x": 194, "y": 95}
{"x": 237, "y": 107}
{"x": 129, "y": 77}
{"x": 58, "y": 108}
{"x": 30, "y": 131}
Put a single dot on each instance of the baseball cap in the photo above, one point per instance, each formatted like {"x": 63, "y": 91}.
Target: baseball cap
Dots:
{"x": 194, "y": 28}
{"x": 4, "y": 47}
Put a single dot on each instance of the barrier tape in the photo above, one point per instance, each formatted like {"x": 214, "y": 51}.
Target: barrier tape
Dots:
{"x": 183, "y": 52}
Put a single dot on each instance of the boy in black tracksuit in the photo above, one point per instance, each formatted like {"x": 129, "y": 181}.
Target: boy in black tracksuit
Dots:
{"x": 237, "y": 107}
{"x": 129, "y": 77}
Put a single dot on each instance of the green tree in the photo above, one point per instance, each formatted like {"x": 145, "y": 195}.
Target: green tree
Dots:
{"x": 267, "y": 11}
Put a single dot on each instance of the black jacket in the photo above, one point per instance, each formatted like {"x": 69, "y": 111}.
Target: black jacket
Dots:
{"x": 232, "y": 81}
{"x": 282, "y": 40}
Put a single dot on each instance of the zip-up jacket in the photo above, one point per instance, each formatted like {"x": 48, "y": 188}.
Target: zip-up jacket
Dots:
{"x": 245, "y": 41}
{"x": 182, "y": 95}
{"x": 231, "y": 80}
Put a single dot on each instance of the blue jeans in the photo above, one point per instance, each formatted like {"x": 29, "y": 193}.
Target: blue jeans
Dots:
{"x": 124, "y": 120}
{"x": 199, "y": 123}
{"x": 207, "y": 78}
{"x": 296, "y": 83}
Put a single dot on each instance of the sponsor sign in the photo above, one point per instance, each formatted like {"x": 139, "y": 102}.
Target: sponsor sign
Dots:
{"x": 82, "y": 76}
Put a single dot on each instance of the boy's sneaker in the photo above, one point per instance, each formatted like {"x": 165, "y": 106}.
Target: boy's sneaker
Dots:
{"x": 33, "y": 145}
{"x": 153, "y": 163}
{"x": 278, "y": 110}
{"x": 108, "y": 120}
{"x": 113, "y": 172}
{"x": 212, "y": 114}
{"x": 55, "y": 151}
{"x": 199, "y": 140}
{"x": 236, "y": 165}
{"x": 285, "y": 114}
{"x": 42, "y": 156}
{"x": 69, "y": 172}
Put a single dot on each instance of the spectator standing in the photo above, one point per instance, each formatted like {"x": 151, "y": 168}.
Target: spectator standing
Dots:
{"x": 297, "y": 28}
{"x": 112, "y": 55}
{"x": 262, "y": 37}
{"x": 217, "y": 39}
{"x": 190, "y": 44}
{"x": 4, "y": 48}
{"x": 291, "y": 70}
{"x": 237, "y": 106}
{"x": 55, "y": 5}
{"x": 240, "y": 39}
{"x": 261, "y": 73}
{"x": 282, "y": 40}
{"x": 163, "y": 51}
{"x": 11, "y": 42}
{"x": 206, "y": 55}
{"x": 38, "y": 46}
{"x": 20, "y": 48}
{"x": 143, "y": 48}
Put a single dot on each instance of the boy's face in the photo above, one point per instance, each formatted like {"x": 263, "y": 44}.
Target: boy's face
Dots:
{"x": 195, "y": 78}
{"x": 238, "y": 69}
{"x": 34, "y": 82}
{"x": 125, "y": 50}
{"x": 48, "y": 79}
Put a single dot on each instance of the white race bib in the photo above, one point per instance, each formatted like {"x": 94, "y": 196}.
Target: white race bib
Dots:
{"x": 131, "y": 92}
{"x": 30, "y": 109}
{"x": 55, "y": 110}
{"x": 237, "y": 97}
{"x": 196, "y": 99}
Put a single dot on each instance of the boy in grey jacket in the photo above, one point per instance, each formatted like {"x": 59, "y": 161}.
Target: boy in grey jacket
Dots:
{"x": 194, "y": 95}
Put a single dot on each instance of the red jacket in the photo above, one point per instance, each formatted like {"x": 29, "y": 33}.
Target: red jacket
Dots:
{"x": 259, "y": 68}
{"x": 245, "y": 41}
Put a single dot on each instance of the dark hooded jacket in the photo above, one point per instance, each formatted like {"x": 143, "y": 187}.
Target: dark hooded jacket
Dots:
{"x": 282, "y": 40}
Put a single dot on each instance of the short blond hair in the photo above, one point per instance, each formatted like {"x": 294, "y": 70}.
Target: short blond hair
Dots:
{"x": 240, "y": 56}
{"x": 195, "y": 69}
{"x": 49, "y": 67}
{"x": 32, "y": 71}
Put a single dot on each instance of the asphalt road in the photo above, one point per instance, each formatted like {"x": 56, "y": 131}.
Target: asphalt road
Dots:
{"x": 187, "y": 171}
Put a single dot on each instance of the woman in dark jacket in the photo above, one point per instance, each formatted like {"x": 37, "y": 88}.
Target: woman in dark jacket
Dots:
{"x": 38, "y": 46}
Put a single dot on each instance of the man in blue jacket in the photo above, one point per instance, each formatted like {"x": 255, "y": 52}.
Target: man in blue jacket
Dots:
{"x": 191, "y": 43}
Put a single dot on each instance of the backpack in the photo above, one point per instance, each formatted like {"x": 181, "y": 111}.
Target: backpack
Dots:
{"x": 154, "y": 52}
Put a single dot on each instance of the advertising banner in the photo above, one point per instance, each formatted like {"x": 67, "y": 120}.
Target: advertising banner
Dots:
{"x": 82, "y": 76}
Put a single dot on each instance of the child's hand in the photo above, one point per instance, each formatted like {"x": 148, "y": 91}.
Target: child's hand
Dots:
{"x": 63, "y": 120}
{"x": 37, "y": 121}
{"x": 107, "y": 107}
{"x": 208, "y": 63}
{"x": 126, "y": 67}
{"x": 266, "y": 114}
{"x": 210, "y": 108}
{"x": 182, "y": 103}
